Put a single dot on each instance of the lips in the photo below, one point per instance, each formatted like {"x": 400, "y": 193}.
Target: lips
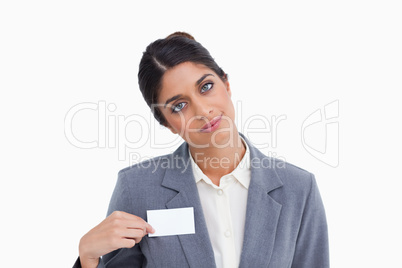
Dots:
{"x": 212, "y": 125}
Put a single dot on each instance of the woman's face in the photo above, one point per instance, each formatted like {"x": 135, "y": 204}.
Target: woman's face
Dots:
{"x": 197, "y": 105}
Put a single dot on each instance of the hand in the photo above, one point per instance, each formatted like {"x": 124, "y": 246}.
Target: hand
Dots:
{"x": 118, "y": 230}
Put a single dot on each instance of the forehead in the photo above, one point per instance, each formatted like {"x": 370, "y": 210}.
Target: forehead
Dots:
{"x": 180, "y": 78}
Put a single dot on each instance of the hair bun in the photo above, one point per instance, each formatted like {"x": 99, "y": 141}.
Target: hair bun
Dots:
{"x": 184, "y": 34}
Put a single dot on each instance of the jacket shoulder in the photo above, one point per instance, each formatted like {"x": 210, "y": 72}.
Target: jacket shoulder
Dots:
{"x": 295, "y": 179}
{"x": 291, "y": 171}
{"x": 150, "y": 167}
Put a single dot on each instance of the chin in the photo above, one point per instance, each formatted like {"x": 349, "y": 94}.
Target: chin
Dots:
{"x": 223, "y": 138}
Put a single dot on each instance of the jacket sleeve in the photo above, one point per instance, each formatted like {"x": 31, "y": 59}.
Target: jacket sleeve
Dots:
{"x": 312, "y": 249}
{"x": 123, "y": 257}
{"x": 77, "y": 264}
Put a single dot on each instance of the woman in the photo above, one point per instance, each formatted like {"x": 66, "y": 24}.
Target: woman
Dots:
{"x": 249, "y": 210}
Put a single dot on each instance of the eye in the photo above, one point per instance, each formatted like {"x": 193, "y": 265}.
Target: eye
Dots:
{"x": 178, "y": 107}
{"x": 206, "y": 87}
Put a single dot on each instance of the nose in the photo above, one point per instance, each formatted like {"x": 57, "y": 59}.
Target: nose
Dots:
{"x": 203, "y": 109}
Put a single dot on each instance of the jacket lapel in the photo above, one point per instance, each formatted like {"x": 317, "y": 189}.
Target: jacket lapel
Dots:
{"x": 261, "y": 217}
{"x": 262, "y": 211}
{"x": 197, "y": 247}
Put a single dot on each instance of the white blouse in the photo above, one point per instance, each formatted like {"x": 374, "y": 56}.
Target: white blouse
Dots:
{"x": 224, "y": 208}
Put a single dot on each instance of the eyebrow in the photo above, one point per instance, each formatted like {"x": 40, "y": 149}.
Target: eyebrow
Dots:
{"x": 202, "y": 78}
{"x": 180, "y": 95}
{"x": 172, "y": 99}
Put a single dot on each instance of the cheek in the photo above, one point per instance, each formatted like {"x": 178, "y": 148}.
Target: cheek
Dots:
{"x": 225, "y": 101}
{"x": 228, "y": 107}
{"x": 178, "y": 122}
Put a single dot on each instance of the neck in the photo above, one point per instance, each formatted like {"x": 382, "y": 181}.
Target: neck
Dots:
{"x": 216, "y": 162}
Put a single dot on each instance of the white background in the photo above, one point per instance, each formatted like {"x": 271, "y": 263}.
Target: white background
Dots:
{"x": 283, "y": 58}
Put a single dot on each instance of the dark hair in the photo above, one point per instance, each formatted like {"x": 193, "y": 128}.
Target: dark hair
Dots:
{"x": 164, "y": 54}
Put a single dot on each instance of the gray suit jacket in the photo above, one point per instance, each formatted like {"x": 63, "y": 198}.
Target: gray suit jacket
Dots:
{"x": 285, "y": 219}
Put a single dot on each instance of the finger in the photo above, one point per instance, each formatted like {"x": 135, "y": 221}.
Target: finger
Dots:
{"x": 149, "y": 229}
{"x": 137, "y": 222}
{"x": 124, "y": 216}
{"x": 129, "y": 216}
{"x": 128, "y": 243}
{"x": 131, "y": 242}
{"x": 133, "y": 221}
{"x": 134, "y": 233}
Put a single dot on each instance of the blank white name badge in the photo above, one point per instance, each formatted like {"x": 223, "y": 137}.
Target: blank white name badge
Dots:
{"x": 176, "y": 221}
